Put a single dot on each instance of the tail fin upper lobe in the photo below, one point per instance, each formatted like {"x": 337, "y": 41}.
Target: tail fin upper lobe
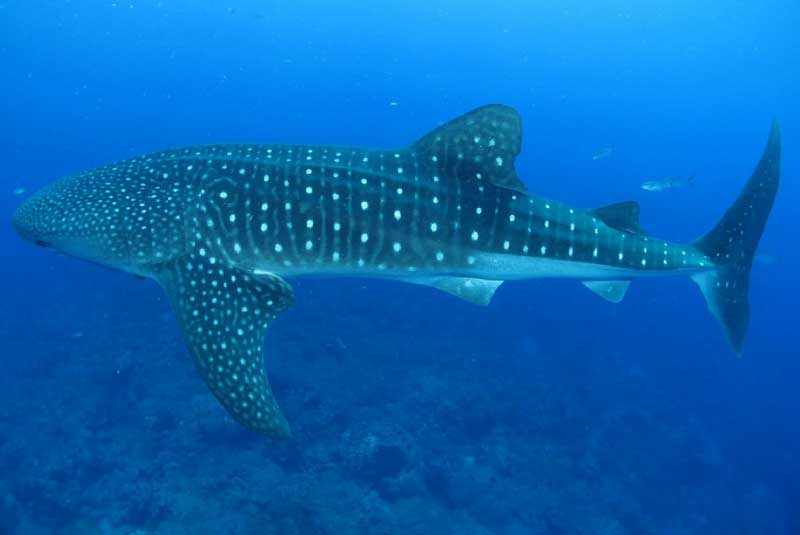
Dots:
{"x": 732, "y": 244}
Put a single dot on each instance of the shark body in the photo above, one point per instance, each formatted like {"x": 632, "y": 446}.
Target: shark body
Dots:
{"x": 219, "y": 227}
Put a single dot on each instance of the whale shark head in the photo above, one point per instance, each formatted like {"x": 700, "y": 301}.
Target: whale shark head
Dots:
{"x": 57, "y": 217}
{"x": 104, "y": 217}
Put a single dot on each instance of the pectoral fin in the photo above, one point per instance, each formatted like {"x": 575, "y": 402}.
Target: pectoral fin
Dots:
{"x": 224, "y": 313}
{"x": 613, "y": 291}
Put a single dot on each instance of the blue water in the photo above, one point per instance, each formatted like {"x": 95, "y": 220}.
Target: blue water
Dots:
{"x": 550, "y": 412}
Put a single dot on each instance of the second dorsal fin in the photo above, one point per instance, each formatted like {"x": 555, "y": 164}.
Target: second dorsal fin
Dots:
{"x": 622, "y": 216}
{"x": 479, "y": 145}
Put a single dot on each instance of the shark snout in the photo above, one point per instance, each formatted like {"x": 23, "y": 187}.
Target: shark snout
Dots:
{"x": 27, "y": 221}
{"x": 21, "y": 222}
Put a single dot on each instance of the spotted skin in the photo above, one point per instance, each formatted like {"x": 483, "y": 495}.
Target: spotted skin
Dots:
{"x": 224, "y": 314}
{"x": 219, "y": 226}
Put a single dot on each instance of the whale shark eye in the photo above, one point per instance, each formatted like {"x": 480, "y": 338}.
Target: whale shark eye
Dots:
{"x": 42, "y": 243}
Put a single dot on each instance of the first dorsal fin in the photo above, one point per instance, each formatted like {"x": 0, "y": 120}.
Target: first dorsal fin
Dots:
{"x": 622, "y": 216}
{"x": 480, "y": 145}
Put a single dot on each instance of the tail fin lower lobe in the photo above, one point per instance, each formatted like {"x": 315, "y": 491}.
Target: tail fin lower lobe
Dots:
{"x": 732, "y": 244}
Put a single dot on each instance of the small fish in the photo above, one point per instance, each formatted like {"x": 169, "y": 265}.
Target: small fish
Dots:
{"x": 603, "y": 153}
{"x": 19, "y": 191}
{"x": 393, "y": 103}
{"x": 672, "y": 182}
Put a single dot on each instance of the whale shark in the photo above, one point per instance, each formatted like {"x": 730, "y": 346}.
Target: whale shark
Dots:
{"x": 222, "y": 227}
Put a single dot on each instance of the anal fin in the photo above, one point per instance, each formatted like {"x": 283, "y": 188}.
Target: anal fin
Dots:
{"x": 224, "y": 313}
{"x": 613, "y": 291}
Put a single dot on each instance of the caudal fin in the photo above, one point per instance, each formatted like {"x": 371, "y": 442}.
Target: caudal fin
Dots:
{"x": 732, "y": 245}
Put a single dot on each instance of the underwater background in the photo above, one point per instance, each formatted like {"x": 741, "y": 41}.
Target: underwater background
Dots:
{"x": 549, "y": 412}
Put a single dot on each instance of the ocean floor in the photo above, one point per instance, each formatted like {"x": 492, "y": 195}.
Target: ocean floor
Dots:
{"x": 406, "y": 420}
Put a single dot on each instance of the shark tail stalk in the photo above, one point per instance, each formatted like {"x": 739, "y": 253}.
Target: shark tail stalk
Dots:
{"x": 732, "y": 245}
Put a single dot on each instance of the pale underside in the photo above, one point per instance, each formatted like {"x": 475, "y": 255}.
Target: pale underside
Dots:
{"x": 488, "y": 266}
{"x": 479, "y": 283}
